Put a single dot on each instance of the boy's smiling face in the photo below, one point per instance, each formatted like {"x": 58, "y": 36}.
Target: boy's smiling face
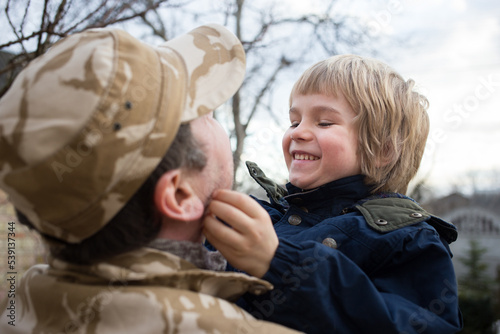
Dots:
{"x": 322, "y": 142}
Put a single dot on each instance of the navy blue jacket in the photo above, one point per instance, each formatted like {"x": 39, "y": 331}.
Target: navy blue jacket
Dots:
{"x": 349, "y": 262}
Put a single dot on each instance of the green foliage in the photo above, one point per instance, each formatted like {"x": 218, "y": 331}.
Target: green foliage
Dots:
{"x": 475, "y": 282}
{"x": 478, "y": 315}
{"x": 478, "y": 293}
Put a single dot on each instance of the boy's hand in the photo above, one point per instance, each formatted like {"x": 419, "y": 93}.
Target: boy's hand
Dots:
{"x": 249, "y": 243}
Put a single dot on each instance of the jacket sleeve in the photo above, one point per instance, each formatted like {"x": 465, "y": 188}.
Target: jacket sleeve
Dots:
{"x": 320, "y": 290}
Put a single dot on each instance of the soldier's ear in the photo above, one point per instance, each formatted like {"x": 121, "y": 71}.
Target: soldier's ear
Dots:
{"x": 176, "y": 199}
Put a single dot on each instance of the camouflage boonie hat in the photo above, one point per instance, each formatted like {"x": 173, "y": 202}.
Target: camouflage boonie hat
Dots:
{"x": 85, "y": 124}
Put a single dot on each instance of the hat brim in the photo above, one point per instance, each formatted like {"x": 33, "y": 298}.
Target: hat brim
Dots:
{"x": 215, "y": 67}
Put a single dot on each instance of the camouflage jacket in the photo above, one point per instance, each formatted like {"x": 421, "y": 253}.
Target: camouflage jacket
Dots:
{"x": 144, "y": 291}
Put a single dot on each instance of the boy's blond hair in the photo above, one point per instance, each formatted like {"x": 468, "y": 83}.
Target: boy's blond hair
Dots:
{"x": 391, "y": 117}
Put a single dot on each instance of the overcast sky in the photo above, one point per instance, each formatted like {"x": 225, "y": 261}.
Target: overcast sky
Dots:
{"x": 452, "y": 50}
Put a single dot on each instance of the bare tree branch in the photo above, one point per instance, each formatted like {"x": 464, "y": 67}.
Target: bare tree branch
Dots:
{"x": 158, "y": 28}
{"x": 267, "y": 86}
{"x": 14, "y": 30}
{"x": 57, "y": 19}
{"x": 25, "y": 16}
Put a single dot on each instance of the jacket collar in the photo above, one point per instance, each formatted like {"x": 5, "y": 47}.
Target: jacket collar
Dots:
{"x": 331, "y": 198}
{"x": 148, "y": 266}
{"x": 194, "y": 252}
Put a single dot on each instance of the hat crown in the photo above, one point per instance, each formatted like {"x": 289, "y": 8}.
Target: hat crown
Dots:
{"x": 85, "y": 124}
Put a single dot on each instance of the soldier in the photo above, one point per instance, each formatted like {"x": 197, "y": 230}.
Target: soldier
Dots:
{"x": 109, "y": 150}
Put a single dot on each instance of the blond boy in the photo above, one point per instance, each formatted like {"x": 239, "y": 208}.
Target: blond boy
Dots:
{"x": 346, "y": 250}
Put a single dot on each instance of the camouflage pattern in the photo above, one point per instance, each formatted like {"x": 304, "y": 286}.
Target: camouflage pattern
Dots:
{"x": 85, "y": 124}
{"x": 144, "y": 291}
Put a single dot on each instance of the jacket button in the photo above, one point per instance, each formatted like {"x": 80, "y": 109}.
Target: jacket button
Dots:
{"x": 381, "y": 222}
{"x": 330, "y": 242}
{"x": 416, "y": 215}
{"x": 294, "y": 220}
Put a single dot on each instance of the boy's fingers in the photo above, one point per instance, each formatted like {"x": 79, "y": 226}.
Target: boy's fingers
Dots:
{"x": 233, "y": 216}
{"x": 218, "y": 233}
{"x": 238, "y": 200}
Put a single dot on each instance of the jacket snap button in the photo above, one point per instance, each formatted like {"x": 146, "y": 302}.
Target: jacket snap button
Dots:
{"x": 294, "y": 220}
{"x": 381, "y": 222}
{"x": 330, "y": 242}
{"x": 416, "y": 215}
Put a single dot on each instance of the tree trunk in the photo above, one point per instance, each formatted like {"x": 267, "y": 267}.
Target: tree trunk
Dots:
{"x": 239, "y": 129}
